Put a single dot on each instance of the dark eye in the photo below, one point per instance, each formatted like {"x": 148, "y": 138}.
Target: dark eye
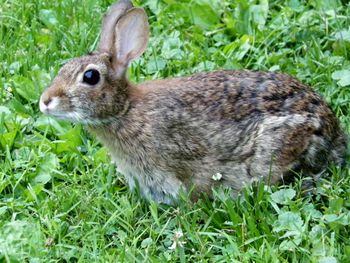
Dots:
{"x": 91, "y": 77}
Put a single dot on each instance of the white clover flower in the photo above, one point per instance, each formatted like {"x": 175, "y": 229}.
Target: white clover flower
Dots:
{"x": 176, "y": 240}
{"x": 217, "y": 177}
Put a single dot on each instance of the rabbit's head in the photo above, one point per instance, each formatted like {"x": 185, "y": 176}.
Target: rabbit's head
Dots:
{"x": 93, "y": 89}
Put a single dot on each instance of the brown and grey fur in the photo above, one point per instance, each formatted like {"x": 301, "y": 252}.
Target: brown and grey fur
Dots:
{"x": 175, "y": 134}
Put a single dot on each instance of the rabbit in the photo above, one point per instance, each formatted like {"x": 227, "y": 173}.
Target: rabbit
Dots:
{"x": 223, "y": 128}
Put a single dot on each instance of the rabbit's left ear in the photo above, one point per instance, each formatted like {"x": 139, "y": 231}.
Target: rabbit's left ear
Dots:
{"x": 131, "y": 38}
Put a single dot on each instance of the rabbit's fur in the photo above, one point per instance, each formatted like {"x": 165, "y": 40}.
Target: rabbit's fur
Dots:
{"x": 177, "y": 134}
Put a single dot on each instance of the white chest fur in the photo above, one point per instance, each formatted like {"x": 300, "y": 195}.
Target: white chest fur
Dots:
{"x": 160, "y": 186}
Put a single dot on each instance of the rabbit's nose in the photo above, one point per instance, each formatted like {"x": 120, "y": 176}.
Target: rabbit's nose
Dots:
{"x": 46, "y": 100}
{"x": 44, "y": 103}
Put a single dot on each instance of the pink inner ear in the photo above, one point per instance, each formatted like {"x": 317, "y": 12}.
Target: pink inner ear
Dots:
{"x": 131, "y": 35}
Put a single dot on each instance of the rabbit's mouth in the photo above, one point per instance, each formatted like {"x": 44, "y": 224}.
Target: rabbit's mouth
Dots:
{"x": 51, "y": 107}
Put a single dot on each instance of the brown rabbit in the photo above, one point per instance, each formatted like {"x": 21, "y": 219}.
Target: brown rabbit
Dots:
{"x": 220, "y": 128}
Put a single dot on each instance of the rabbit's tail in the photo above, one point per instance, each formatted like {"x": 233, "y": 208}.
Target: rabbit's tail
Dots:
{"x": 338, "y": 149}
{"x": 320, "y": 155}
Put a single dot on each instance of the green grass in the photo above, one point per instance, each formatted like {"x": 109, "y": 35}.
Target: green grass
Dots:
{"x": 60, "y": 198}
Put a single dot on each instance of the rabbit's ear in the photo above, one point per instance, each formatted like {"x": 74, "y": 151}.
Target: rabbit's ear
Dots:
{"x": 131, "y": 37}
{"x": 108, "y": 24}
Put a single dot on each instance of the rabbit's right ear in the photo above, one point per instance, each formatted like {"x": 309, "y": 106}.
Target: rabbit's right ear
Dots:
{"x": 109, "y": 22}
{"x": 131, "y": 38}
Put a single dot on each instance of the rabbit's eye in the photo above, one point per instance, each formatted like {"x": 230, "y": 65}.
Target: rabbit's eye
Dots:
{"x": 91, "y": 77}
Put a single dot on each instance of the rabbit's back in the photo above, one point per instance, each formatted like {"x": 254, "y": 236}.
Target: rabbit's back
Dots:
{"x": 235, "y": 95}
{"x": 242, "y": 125}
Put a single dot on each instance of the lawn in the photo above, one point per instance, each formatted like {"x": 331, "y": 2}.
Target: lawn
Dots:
{"x": 61, "y": 199}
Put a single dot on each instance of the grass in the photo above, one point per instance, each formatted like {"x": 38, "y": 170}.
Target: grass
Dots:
{"x": 60, "y": 198}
